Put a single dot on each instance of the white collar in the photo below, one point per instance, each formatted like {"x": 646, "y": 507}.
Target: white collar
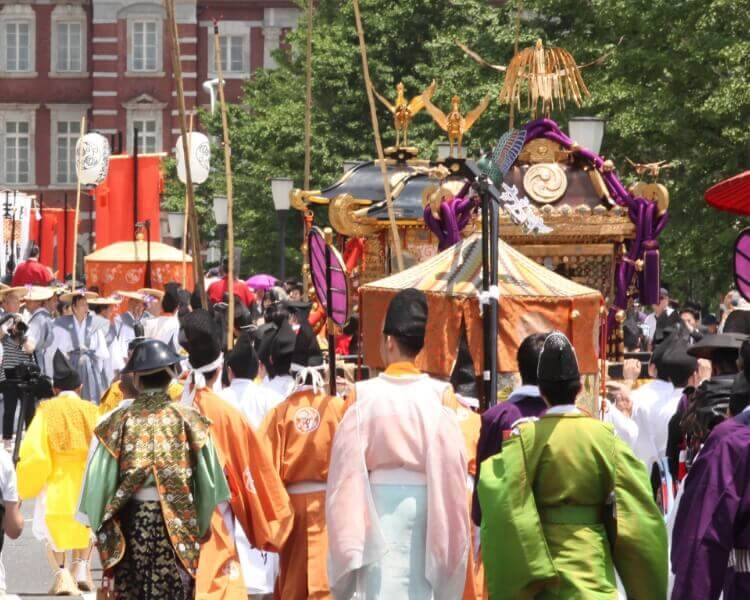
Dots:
{"x": 563, "y": 409}
{"x": 524, "y": 391}
{"x": 68, "y": 394}
{"x": 467, "y": 401}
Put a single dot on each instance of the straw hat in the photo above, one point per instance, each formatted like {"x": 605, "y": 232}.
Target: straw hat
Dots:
{"x": 19, "y": 291}
{"x": 70, "y": 295}
{"x": 37, "y": 293}
{"x": 131, "y": 295}
{"x": 158, "y": 294}
{"x": 105, "y": 301}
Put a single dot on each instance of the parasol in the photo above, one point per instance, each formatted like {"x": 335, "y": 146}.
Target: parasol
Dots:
{"x": 261, "y": 281}
{"x": 731, "y": 195}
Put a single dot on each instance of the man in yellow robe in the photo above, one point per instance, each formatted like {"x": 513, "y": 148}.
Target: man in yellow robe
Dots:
{"x": 52, "y": 462}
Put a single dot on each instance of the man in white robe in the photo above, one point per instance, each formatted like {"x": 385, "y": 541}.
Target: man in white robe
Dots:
{"x": 84, "y": 344}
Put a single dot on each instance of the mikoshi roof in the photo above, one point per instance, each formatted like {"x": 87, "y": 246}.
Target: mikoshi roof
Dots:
{"x": 137, "y": 251}
{"x": 532, "y": 299}
{"x": 365, "y": 182}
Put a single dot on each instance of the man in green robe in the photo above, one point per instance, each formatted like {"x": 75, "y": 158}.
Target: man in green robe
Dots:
{"x": 566, "y": 503}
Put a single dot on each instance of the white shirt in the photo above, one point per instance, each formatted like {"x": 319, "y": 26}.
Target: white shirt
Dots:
{"x": 165, "y": 328}
{"x": 654, "y": 404}
{"x": 9, "y": 490}
{"x": 279, "y": 388}
{"x": 625, "y": 427}
{"x": 525, "y": 391}
{"x": 253, "y": 400}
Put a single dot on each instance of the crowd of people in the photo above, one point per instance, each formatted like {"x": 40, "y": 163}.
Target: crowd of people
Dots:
{"x": 199, "y": 468}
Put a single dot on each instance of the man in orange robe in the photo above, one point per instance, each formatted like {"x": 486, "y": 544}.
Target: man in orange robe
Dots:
{"x": 300, "y": 431}
{"x": 259, "y": 502}
{"x": 464, "y": 402}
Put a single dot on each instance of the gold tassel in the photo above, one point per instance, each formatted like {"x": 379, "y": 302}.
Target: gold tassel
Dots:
{"x": 551, "y": 76}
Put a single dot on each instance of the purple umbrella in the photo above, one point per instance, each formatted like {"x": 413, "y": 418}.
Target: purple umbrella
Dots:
{"x": 261, "y": 281}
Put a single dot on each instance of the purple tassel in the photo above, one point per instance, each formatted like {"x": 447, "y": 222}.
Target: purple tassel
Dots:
{"x": 650, "y": 277}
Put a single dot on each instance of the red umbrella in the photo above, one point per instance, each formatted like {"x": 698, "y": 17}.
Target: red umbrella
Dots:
{"x": 731, "y": 195}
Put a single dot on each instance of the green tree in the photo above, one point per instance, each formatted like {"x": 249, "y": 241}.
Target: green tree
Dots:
{"x": 677, "y": 88}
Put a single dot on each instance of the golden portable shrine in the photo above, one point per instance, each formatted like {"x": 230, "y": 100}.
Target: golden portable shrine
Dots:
{"x": 604, "y": 236}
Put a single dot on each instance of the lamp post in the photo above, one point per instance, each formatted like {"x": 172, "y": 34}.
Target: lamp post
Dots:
{"x": 220, "y": 216}
{"x": 175, "y": 224}
{"x": 588, "y": 132}
{"x": 281, "y": 189}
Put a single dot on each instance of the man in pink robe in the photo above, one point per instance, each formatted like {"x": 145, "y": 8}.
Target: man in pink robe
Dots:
{"x": 396, "y": 495}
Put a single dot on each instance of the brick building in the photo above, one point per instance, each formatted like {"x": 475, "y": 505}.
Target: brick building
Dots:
{"x": 110, "y": 60}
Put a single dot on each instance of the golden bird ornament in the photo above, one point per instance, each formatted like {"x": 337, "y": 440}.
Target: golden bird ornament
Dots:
{"x": 403, "y": 112}
{"x": 454, "y": 123}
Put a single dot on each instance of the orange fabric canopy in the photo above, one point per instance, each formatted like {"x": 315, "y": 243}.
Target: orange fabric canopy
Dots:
{"x": 532, "y": 299}
{"x": 122, "y": 266}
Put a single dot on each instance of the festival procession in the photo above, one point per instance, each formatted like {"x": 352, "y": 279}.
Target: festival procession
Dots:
{"x": 495, "y": 345}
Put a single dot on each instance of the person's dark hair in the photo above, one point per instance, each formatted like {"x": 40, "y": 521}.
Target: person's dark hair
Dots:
{"x": 724, "y": 361}
{"x": 560, "y": 392}
{"x": 159, "y": 380}
{"x": 528, "y": 357}
{"x": 98, "y": 308}
{"x": 409, "y": 346}
{"x": 34, "y": 252}
{"x": 195, "y": 300}
{"x": 61, "y": 306}
{"x": 245, "y": 369}
{"x": 76, "y": 299}
{"x": 169, "y": 303}
{"x": 679, "y": 375}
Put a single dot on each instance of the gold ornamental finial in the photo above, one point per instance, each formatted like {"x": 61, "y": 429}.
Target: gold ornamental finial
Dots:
{"x": 454, "y": 123}
{"x": 403, "y": 112}
{"x": 547, "y": 75}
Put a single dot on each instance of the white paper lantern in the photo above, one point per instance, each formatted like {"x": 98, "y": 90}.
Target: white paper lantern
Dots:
{"x": 200, "y": 158}
{"x": 92, "y": 158}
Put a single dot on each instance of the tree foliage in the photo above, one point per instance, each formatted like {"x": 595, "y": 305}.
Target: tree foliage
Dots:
{"x": 677, "y": 88}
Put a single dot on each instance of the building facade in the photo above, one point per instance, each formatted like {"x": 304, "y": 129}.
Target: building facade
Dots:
{"x": 110, "y": 60}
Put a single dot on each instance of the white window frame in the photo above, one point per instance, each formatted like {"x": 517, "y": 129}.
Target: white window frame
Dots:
{"x": 18, "y": 113}
{"x": 233, "y": 29}
{"x": 145, "y": 108}
{"x": 68, "y": 113}
{"x": 158, "y": 71}
{"x": 18, "y": 13}
{"x": 68, "y": 14}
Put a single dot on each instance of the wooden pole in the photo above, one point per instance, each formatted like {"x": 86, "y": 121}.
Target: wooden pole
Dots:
{"x": 74, "y": 280}
{"x": 230, "y": 190}
{"x": 193, "y": 225}
{"x": 395, "y": 238}
{"x": 306, "y": 221}
{"x": 512, "y": 106}
{"x": 187, "y": 217}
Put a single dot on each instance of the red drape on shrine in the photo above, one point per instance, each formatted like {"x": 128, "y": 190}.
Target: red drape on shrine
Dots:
{"x": 52, "y": 252}
{"x": 114, "y": 199}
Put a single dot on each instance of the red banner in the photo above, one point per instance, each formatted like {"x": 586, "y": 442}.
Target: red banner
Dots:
{"x": 114, "y": 199}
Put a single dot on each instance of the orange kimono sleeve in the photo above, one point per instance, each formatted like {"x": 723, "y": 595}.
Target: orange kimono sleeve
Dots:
{"x": 271, "y": 432}
{"x": 259, "y": 500}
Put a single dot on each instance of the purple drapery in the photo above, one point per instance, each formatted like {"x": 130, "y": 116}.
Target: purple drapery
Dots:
{"x": 454, "y": 215}
{"x": 643, "y": 214}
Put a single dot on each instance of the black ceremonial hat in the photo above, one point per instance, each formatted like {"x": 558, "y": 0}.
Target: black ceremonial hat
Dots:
{"x": 677, "y": 364}
{"x": 739, "y": 396}
{"x": 242, "y": 355}
{"x": 64, "y": 376}
{"x": 306, "y": 349}
{"x": 406, "y": 316}
{"x": 282, "y": 344}
{"x": 557, "y": 360}
{"x": 200, "y": 337}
